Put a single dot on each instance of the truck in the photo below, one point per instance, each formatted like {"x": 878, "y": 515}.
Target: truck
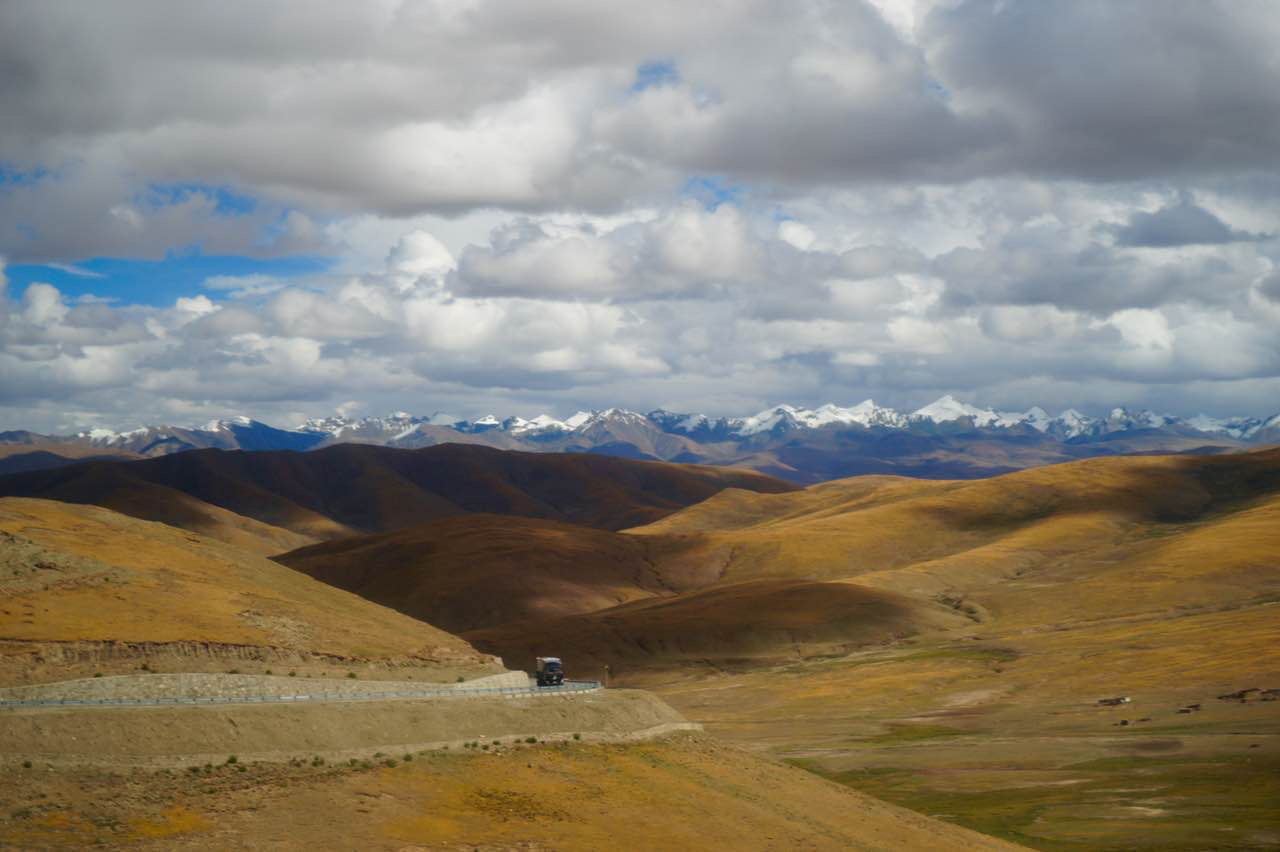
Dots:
{"x": 550, "y": 671}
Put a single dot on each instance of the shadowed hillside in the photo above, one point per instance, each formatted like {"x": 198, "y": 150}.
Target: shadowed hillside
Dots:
{"x": 757, "y": 623}
{"x": 351, "y": 488}
{"x": 27, "y": 452}
{"x": 481, "y": 570}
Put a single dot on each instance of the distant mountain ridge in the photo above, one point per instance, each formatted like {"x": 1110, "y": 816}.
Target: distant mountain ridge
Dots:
{"x": 801, "y": 444}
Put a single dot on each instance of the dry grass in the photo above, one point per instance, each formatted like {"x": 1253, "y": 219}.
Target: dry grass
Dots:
{"x": 83, "y": 573}
{"x": 685, "y": 793}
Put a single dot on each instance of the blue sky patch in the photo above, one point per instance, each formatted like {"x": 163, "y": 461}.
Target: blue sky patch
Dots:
{"x": 10, "y": 176}
{"x": 154, "y": 282}
{"x": 655, "y": 74}
{"x": 712, "y": 191}
{"x": 227, "y": 202}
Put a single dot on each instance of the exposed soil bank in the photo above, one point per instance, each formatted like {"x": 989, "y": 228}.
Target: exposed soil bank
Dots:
{"x": 47, "y": 662}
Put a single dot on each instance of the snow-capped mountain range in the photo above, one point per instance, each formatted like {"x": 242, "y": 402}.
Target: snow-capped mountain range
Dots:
{"x": 806, "y": 444}
{"x": 867, "y": 414}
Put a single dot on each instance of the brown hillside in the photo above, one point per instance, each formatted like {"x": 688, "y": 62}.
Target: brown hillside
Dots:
{"x": 23, "y": 456}
{"x": 1176, "y": 532}
{"x": 332, "y": 492}
{"x": 481, "y": 570}
{"x": 755, "y": 623}
{"x": 102, "y": 586}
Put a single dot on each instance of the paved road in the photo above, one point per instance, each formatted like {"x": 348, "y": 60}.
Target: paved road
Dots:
{"x": 569, "y": 688}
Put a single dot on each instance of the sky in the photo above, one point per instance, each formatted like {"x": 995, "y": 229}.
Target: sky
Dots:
{"x": 288, "y": 209}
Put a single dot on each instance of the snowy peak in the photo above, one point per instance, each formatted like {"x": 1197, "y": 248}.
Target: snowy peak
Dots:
{"x": 1123, "y": 420}
{"x": 866, "y": 413}
{"x": 225, "y": 424}
{"x": 542, "y": 424}
{"x": 619, "y": 426}
{"x": 778, "y": 417}
{"x": 947, "y": 408}
{"x": 1037, "y": 418}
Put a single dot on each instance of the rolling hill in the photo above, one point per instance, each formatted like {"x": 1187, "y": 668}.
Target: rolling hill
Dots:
{"x": 89, "y": 590}
{"x": 350, "y": 488}
{"x": 757, "y": 576}
{"x": 481, "y": 570}
{"x": 730, "y": 626}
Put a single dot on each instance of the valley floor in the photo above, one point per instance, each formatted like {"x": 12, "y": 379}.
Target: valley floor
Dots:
{"x": 1003, "y": 733}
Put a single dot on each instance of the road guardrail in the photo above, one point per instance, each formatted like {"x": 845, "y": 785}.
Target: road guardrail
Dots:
{"x": 568, "y": 688}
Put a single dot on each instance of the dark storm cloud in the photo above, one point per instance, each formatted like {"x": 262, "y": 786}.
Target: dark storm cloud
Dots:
{"x": 1181, "y": 224}
{"x": 1119, "y": 89}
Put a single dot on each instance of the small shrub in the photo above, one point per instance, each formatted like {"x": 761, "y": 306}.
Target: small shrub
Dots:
{"x": 193, "y": 769}
{"x": 268, "y": 671}
{"x": 577, "y": 736}
{"x": 390, "y": 762}
{"x": 26, "y": 764}
{"x": 408, "y": 757}
{"x": 317, "y": 761}
{"x": 460, "y": 679}
{"x": 293, "y": 674}
{"x": 531, "y": 740}
{"x": 367, "y": 765}
{"x": 352, "y": 762}
{"x": 485, "y": 746}
{"x": 377, "y": 754}
{"x": 231, "y": 759}
{"x": 242, "y": 768}
{"x": 233, "y": 671}
{"x": 144, "y": 667}
{"x": 208, "y": 767}
{"x": 351, "y": 675}
{"x": 97, "y": 674}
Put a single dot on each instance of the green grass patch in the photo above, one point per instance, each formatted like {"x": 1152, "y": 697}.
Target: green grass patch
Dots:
{"x": 1222, "y": 801}
{"x": 913, "y": 733}
{"x": 978, "y": 655}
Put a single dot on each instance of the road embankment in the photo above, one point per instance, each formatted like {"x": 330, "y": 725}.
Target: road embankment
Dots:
{"x": 164, "y": 736}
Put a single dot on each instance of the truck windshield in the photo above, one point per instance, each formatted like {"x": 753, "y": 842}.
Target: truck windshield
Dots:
{"x": 553, "y": 667}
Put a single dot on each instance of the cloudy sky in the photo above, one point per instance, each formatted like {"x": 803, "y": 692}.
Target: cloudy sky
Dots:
{"x": 288, "y": 209}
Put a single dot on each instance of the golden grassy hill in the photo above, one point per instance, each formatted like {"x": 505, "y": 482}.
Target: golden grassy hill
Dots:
{"x": 350, "y": 488}
{"x": 104, "y": 586}
{"x": 1152, "y": 578}
{"x": 684, "y": 793}
{"x": 1172, "y": 531}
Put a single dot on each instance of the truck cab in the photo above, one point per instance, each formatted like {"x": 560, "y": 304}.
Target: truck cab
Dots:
{"x": 550, "y": 671}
